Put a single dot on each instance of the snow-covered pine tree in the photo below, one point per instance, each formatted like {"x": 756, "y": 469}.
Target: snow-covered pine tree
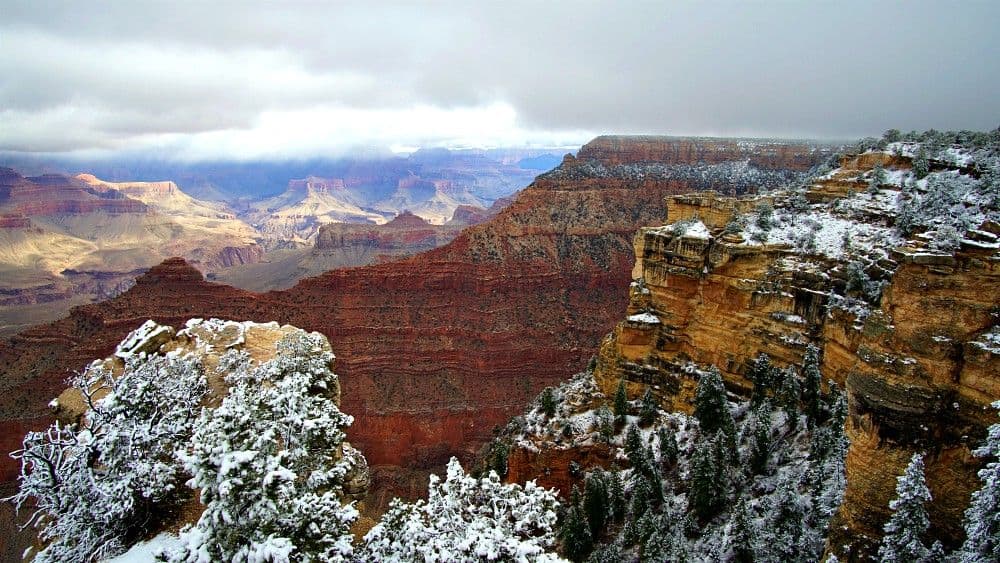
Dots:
{"x": 758, "y": 428}
{"x": 877, "y": 180}
{"x": 921, "y": 166}
{"x": 765, "y": 216}
{"x": 812, "y": 385}
{"x": 708, "y": 471}
{"x": 270, "y": 464}
{"x": 982, "y": 518}
{"x": 468, "y": 519}
{"x": 633, "y": 447}
{"x": 904, "y": 530}
{"x": 710, "y": 406}
{"x": 616, "y": 496}
{"x": 789, "y": 391}
{"x": 621, "y": 403}
{"x": 741, "y": 535}
{"x": 787, "y": 521}
{"x": 605, "y": 423}
{"x": 596, "y": 502}
{"x": 761, "y": 374}
{"x": 574, "y": 533}
{"x": 668, "y": 446}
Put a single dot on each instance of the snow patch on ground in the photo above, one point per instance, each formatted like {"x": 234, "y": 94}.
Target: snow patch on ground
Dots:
{"x": 146, "y": 551}
{"x": 644, "y": 318}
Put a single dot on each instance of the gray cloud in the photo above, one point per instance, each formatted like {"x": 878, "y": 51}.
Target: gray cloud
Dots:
{"x": 136, "y": 74}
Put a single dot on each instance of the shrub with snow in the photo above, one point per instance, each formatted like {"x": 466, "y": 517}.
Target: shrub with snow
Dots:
{"x": 269, "y": 463}
{"x": 99, "y": 486}
{"x": 467, "y": 519}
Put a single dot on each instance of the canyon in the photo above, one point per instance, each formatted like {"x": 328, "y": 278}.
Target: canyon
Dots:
{"x": 436, "y": 350}
{"x": 71, "y": 240}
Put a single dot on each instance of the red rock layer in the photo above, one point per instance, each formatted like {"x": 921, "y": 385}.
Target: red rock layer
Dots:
{"x": 406, "y": 232}
{"x": 54, "y": 194}
{"x": 619, "y": 149}
{"x": 469, "y": 215}
{"x": 14, "y": 221}
{"x": 434, "y": 350}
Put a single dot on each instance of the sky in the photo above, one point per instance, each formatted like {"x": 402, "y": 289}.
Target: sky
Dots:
{"x": 244, "y": 80}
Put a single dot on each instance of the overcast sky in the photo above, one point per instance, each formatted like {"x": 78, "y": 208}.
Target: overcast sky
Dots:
{"x": 283, "y": 79}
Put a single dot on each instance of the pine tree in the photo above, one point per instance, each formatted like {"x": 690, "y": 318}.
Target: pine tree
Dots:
{"x": 789, "y": 391}
{"x": 707, "y": 479}
{"x": 621, "y": 402}
{"x": 548, "y": 402}
{"x": 500, "y": 454}
{"x": 760, "y": 440}
{"x": 668, "y": 446}
{"x": 605, "y": 423}
{"x": 461, "y": 519}
{"x": 908, "y": 523}
{"x": 596, "y": 502}
{"x": 616, "y": 496}
{"x": 710, "y": 406}
{"x": 633, "y": 447}
{"x": 877, "y": 180}
{"x": 268, "y": 460}
{"x": 658, "y": 545}
{"x": 982, "y": 518}
{"x": 648, "y": 408}
{"x": 575, "y": 531}
{"x": 741, "y": 535}
{"x": 811, "y": 388}
{"x": 641, "y": 497}
{"x": 762, "y": 375}
{"x": 921, "y": 166}
{"x": 787, "y": 526}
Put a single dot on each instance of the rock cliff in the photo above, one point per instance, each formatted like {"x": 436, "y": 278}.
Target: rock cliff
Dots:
{"x": 907, "y": 321}
{"x": 439, "y": 348}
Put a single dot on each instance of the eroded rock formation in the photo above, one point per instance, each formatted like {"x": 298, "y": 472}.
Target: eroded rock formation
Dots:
{"x": 437, "y": 349}
{"x": 919, "y": 363}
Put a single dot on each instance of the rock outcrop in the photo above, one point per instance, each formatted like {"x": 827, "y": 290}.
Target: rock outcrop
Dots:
{"x": 920, "y": 362}
{"x": 439, "y": 348}
{"x": 404, "y": 235}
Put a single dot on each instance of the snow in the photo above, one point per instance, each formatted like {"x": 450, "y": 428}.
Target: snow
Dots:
{"x": 694, "y": 229}
{"x": 989, "y": 341}
{"x": 144, "y": 552}
{"x": 138, "y": 338}
{"x": 644, "y": 318}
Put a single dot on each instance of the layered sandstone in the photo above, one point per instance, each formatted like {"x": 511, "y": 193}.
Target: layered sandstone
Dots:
{"x": 436, "y": 349}
{"x": 619, "y": 149}
{"x": 54, "y": 194}
{"x": 66, "y": 241}
{"x": 405, "y": 234}
{"x": 920, "y": 366}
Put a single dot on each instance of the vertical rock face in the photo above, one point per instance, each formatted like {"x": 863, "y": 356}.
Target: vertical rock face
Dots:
{"x": 707, "y": 299}
{"x": 617, "y": 149}
{"x": 437, "y": 349}
{"x": 921, "y": 365}
{"x": 920, "y": 378}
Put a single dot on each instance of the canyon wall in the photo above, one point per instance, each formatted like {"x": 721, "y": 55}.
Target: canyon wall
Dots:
{"x": 436, "y": 350}
{"x": 920, "y": 366}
